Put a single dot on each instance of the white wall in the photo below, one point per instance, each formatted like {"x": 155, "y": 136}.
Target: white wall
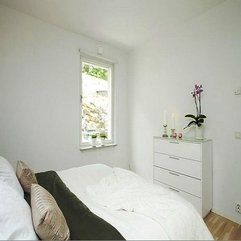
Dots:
{"x": 163, "y": 72}
{"x": 39, "y": 98}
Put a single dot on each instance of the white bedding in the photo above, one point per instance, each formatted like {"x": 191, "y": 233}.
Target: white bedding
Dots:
{"x": 137, "y": 209}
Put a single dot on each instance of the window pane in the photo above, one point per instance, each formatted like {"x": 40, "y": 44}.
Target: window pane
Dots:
{"x": 96, "y": 100}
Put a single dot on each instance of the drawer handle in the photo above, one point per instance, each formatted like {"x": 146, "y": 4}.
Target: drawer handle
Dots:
{"x": 175, "y": 158}
{"x": 174, "y": 142}
{"x": 173, "y": 189}
{"x": 174, "y": 174}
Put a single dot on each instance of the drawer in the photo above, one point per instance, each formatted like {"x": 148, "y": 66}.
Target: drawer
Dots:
{"x": 195, "y": 201}
{"x": 176, "y": 148}
{"x": 182, "y": 182}
{"x": 180, "y": 165}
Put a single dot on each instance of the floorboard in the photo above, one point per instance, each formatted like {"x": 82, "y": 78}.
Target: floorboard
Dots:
{"x": 222, "y": 228}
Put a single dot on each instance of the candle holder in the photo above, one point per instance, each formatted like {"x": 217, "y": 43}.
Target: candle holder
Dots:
{"x": 164, "y": 131}
{"x": 173, "y": 132}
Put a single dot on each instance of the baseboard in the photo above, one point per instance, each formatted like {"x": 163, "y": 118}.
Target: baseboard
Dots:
{"x": 234, "y": 219}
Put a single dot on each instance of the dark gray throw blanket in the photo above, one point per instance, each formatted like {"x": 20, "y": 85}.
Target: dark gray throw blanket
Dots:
{"x": 83, "y": 224}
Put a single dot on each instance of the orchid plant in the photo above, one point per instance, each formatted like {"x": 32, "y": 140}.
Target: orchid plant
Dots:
{"x": 199, "y": 118}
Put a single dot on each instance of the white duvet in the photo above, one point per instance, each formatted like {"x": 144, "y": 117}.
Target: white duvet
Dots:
{"x": 136, "y": 208}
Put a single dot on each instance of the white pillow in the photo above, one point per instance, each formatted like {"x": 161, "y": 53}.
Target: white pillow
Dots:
{"x": 8, "y": 176}
{"x": 15, "y": 216}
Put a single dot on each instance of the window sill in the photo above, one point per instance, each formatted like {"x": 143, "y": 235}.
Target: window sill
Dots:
{"x": 84, "y": 148}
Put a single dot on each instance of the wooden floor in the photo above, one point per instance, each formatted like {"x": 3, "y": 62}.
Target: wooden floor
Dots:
{"x": 222, "y": 228}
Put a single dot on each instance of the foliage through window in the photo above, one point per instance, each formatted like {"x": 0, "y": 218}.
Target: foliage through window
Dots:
{"x": 96, "y": 100}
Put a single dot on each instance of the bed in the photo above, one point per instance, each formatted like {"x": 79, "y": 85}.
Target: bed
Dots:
{"x": 100, "y": 202}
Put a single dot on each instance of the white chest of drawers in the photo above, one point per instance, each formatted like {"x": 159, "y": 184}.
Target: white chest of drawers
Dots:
{"x": 185, "y": 167}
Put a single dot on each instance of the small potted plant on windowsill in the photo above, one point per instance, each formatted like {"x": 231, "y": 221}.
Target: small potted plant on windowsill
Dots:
{"x": 93, "y": 139}
{"x": 103, "y": 136}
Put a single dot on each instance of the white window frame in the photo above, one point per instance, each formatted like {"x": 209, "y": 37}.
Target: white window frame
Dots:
{"x": 96, "y": 60}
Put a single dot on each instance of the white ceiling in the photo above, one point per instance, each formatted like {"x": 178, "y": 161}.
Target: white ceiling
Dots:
{"x": 121, "y": 23}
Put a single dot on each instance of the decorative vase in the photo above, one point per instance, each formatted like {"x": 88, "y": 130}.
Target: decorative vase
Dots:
{"x": 199, "y": 132}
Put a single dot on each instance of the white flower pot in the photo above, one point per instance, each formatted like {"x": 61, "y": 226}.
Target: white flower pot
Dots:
{"x": 93, "y": 141}
{"x": 102, "y": 140}
{"x": 199, "y": 132}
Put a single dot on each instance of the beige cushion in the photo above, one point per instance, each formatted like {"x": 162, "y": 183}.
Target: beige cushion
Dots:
{"x": 48, "y": 219}
{"x": 25, "y": 176}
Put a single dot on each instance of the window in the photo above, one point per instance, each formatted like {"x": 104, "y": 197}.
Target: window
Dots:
{"x": 96, "y": 105}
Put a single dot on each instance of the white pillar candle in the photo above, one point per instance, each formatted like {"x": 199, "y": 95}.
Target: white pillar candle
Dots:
{"x": 173, "y": 121}
{"x": 165, "y": 118}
